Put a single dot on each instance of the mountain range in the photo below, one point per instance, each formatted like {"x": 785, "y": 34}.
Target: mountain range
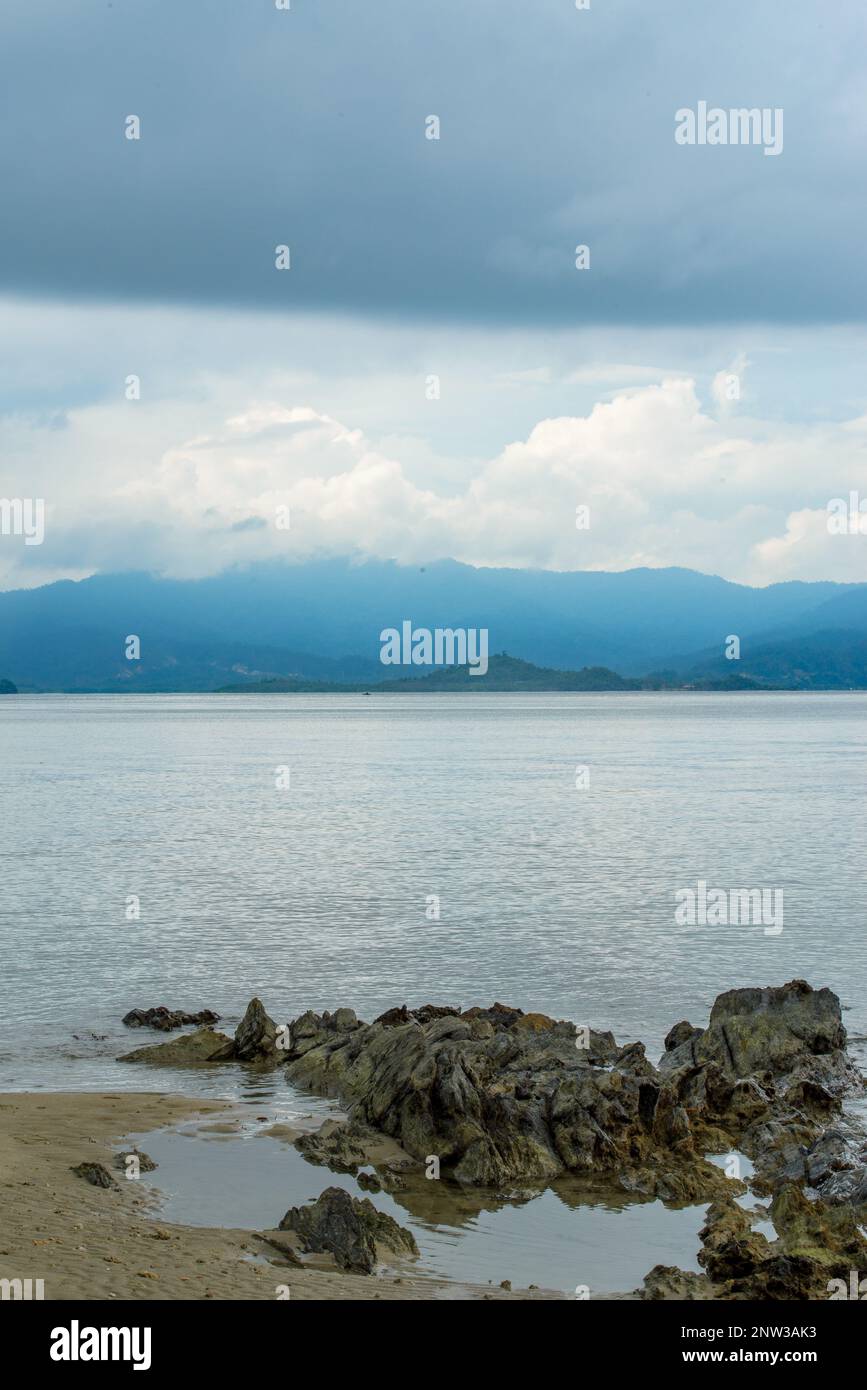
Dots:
{"x": 319, "y": 623}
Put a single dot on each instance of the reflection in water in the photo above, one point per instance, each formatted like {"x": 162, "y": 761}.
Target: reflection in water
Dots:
{"x": 557, "y": 1238}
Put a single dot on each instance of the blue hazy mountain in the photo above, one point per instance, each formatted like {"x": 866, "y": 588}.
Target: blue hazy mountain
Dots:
{"x": 321, "y": 621}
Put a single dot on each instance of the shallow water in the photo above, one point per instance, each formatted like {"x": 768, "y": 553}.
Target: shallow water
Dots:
{"x": 557, "y": 1239}
{"x": 319, "y": 893}
{"x": 551, "y": 897}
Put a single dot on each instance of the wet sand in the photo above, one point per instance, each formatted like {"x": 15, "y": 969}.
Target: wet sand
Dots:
{"x": 88, "y": 1242}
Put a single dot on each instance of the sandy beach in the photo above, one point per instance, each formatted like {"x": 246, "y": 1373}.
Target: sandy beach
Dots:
{"x": 87, "y": 1242}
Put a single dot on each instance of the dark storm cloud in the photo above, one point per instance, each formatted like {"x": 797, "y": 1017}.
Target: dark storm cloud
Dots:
{"x": 305, "y": 126}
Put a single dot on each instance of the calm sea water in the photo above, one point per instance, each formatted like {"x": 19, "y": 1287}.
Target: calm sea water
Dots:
{"x": 293, "y": 847}
{"x": 318, "y": 894}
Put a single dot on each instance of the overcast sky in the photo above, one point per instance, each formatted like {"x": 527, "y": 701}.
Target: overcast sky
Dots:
{"x": 414, "y": 258}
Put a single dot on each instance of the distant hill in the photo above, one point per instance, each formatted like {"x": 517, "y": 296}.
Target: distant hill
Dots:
{"x": 829, "y": 660}
{"x": 504, "y": 673}
{"x": 318, "y": 624}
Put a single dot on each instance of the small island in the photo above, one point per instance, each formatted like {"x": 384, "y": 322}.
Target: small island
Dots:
{"x": 505, "y": 673}
{"x": 7, "y": 688}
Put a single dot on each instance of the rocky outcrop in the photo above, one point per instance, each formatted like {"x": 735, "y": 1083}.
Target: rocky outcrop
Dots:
{"x": 96, "y": 1174}
{"x": 771, "y": 1034}
{"x": 498, "y": 1095}
{"x": 769, "y": 1075}
{"x": 815, "y": 1246}
{"x": 255, "y": 1040}
{"x": 256, "y": 1034}
{"x": 191, "y": 1050}
{"x": 165, "y": 1020}
{"x": 349, "y": 1228}
{"x": 135, "y": 1160}
{"x": 669, "y": 1282}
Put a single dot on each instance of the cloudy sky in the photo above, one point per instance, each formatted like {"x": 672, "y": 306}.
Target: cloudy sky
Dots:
{"x": 432, "y": 376}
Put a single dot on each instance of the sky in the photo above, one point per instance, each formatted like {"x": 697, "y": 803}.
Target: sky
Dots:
{"x": 433, "y": 374}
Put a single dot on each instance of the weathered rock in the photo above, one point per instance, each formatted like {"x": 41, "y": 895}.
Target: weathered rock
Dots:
{"x": 498, "y": 1015}
{"x": 167, "y": 1019}
{"x": 677, "y": 1036}
{"x": 533, "y": 1023}
{"x": 816, "y": 1244}
{"x": 287, "y": 1242}
{"x": 145, "y": 1163}
{"x": 193, "y": 1049}
{"x": 369, "y": 1182}
{"x": 668, "y": 1282}
{"x": 344, "y": 1148}
{"x": 392, "y": 1017}
{"x": 349, "y": 1228}
{"x": 769, "y": 1032}
{"x": 496, "y": 1102}
{"x": 96, "y": 1174}
{"x": 768, "y": 1073}
{"x": 256, "y": 1034}
{"x": 731, "y": 1248}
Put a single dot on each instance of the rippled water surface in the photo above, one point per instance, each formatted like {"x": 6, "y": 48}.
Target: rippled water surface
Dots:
{"x": 552, "y": 897}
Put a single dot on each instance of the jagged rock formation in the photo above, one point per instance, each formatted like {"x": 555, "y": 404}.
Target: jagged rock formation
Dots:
{"x": 768, "y": 1075}
{"x": 500, "y": 1096}
{"x": 497, "y": 1095}
{"x": 349, "y": 1228}
{"x": 816, "y": 1245}
{"x": 254, "y": 1040}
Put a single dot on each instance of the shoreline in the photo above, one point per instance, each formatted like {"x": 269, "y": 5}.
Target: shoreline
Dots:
{"x": 90, "y": 1243}
{"x": 510, "y": 1103}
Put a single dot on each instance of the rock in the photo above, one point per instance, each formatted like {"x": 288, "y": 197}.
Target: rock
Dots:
{"x": 533, "y": 1023}
{"x": 193, "y": 1049}
{"x": 286, "y": 1242}
{"x": 392, "y": 1017}
{"x": 498, "y": 1015}
{"x": 731, "y": 1249}
{"x": 145, "y": 1163}
{"x": 256, "y": 1034}
{"x": 495, "y": 1102}
{"x": 770, "y": 1031}
{"x": 676, "y": 1037}
{"x": 96, "y": 1174}
{"x": 342, "y": 1147}
{"x": 829, "y": 1236}
{"x": 767, "y": 1075}
{"x": 816, "y": 1244}
{"x": 669, "y": 1282}
{"x": 349, "y": 1228}
{"x": 166, "y": 1019}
